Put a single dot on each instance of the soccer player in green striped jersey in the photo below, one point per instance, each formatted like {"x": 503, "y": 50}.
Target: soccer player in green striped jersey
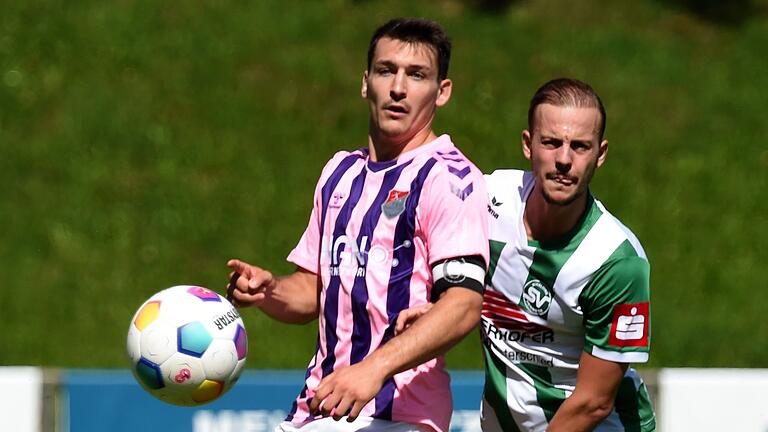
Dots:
{"x": 566, "y": 307}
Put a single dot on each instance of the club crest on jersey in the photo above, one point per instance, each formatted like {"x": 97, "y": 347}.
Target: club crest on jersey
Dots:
{"x": 629, "y": 327}
{"x": 395, "y": 203}
{"x": 536, "y": 298}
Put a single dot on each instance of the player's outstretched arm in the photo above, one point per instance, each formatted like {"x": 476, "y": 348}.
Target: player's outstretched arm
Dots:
{"x": 592, "y": 400}
{"x": 446, "y": 323}
{"x": 292, "y": 299}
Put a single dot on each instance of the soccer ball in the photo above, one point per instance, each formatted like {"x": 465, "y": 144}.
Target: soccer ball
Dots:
{"x": 187, "y": 345}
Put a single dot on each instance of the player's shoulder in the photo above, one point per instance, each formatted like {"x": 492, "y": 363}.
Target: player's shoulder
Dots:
{"x": 344, "y": 158}
{"x": 452, "y": 171}
{"x": 630, "y": 247}
{"x": 450, "y": 160}
{"x": 509, "y": 185}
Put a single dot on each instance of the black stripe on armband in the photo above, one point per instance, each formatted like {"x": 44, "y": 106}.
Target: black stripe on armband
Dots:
{"x": 465, "y": 272}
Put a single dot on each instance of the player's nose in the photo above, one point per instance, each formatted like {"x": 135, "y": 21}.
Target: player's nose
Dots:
{"x": 397, "y": 91}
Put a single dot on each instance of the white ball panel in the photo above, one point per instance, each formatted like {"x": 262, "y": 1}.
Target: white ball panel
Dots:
{"x": 133, "y": 343}
{"x": 158, "y": 341}
{"x": 219, "y": 359}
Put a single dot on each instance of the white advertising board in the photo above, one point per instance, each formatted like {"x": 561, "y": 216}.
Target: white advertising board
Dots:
{"x": 21, "y": 398}
{"x": 713, "y": 400}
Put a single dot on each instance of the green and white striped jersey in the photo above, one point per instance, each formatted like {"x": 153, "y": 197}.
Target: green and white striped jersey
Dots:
{"x": 546, "y": 303}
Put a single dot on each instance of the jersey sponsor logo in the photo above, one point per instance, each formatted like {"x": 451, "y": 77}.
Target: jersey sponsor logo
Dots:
{"x": 629, "y": 327}
{"x": 519, "y": 332}
{"x": 346, "y": 253}
{"x": 507, "y": 321}
{"x": 395, "y": 203}
{"x": 536, "y": 298}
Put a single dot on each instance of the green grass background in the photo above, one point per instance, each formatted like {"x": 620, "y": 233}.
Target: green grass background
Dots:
{"x": 144, "y": 143}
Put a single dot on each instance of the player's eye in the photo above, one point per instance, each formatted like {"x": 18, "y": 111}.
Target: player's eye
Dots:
{"x": 418, "y": 75}
{"x": 579, "y": 146}
{"x": 548, "y": 142}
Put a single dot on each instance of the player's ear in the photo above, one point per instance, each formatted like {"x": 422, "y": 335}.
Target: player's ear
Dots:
{"x": 602, "y": 153}
{"x": 364, "y": 87}
{"x": 526, "y": 141}
{"x": 444, "y": 89}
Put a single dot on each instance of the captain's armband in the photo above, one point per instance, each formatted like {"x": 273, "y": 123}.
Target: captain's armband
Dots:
{"x": 465, "y": 272}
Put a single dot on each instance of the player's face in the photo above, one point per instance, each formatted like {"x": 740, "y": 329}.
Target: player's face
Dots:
{"x": 402, "y": 90}
{"x": 565, "y": 150}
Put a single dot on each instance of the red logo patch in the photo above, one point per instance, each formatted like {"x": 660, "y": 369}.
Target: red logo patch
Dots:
{"x": 630, "y": 325}
{"x": 396, "y": 195}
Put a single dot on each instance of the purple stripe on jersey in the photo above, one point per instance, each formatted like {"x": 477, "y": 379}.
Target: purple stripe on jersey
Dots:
{"x": 454, "y": 159}
{"x": 331, "y": 309}
{"x": 398, "y": 292}
{"x": 452, "y": 152}
{"x": 303, "y": 393}
{"x": 361, "y": 332}
{"x": 330, "y": 185}
{"x": 460, "y": 173}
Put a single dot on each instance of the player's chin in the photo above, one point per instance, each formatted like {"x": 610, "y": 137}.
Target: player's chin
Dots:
{"x": 560, "y": 197}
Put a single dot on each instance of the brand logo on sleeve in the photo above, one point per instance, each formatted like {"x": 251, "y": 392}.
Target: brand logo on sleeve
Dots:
{"x": 629, "y": 327}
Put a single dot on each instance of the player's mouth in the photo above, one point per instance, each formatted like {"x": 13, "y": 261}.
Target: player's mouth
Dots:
{"x": 562, "y": 179}
{"x": 396, "y": 110}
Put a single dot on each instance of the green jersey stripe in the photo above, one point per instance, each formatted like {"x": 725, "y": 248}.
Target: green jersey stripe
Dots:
{"x": 495, "y": 391}
{"x": 634, "y": 406}
{"x": 495, "y": 248}
{"x": 548, "y": 397}
{"x": 550, "y": 257}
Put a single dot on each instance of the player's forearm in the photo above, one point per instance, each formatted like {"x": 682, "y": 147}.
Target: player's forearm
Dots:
{"x": 293, "y": 299}
{"x": 580, "y": 413}
{"x": 453, "y": 317}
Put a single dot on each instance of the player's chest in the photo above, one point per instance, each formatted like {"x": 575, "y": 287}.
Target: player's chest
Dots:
{"x": 371, "y": 225}
{"x": 530, "y": 279}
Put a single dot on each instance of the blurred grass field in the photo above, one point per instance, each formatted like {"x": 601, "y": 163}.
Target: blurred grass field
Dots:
{"x": 143, "y": 143}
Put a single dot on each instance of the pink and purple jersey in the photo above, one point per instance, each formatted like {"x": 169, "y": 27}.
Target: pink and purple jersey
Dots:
{"x": 375, "y": 230}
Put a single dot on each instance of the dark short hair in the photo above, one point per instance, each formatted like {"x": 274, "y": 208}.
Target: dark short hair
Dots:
{"x": 567, "y": 92}
{"x": 416, "y": 31}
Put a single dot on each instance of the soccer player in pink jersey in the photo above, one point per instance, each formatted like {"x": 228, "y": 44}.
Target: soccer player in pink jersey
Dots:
{"x": 396, "y": 224}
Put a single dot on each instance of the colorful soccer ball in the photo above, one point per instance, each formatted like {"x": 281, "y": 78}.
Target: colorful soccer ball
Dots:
{"x": 187, "y": 345}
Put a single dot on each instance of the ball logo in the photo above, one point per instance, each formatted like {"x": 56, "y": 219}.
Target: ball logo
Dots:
{"x": 536, "y": 298}
{"x": 183, "y": 375}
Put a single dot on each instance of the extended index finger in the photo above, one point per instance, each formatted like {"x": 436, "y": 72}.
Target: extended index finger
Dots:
{"x": 238, "y": 266}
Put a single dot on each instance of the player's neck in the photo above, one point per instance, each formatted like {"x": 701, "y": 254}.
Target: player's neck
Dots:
{"x": 383, "y": 149}
{"x": 546, "y": 222}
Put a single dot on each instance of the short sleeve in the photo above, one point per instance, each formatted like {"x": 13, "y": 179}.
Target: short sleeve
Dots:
{"x": 616, "y": 308}
{"x": 453, "y": 216}
{"x": 306, "y": 254}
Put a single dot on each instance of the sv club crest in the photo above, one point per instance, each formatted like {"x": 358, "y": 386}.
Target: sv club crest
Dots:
{"x": 536, "y": 298}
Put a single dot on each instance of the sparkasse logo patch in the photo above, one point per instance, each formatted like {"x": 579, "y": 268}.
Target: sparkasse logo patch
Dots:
{"x": 629, "y": 327}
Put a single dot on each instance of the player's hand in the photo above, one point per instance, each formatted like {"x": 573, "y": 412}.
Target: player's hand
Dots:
{"x": 346, "y": 391}
{"x": 248, "y": 285}
{"x": 409, "y": 316}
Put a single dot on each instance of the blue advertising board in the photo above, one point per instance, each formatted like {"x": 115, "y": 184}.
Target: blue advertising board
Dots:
{"x": 111, "y": 400}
